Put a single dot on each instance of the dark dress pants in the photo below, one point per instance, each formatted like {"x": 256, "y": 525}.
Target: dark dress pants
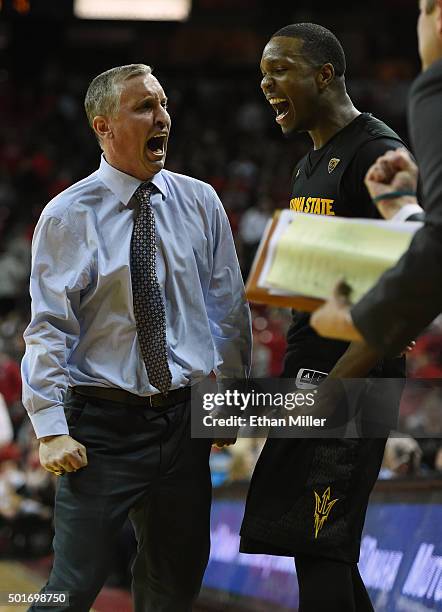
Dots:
{"x": 142, "y": 463}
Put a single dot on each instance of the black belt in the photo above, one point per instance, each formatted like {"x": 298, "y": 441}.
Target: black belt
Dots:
{"x": 112, "y": 394}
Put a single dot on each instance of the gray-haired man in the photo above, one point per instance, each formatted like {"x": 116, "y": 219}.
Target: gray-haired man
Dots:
{"x": 137, "y": 295}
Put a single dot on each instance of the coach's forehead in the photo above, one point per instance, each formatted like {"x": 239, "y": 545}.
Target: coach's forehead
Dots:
{"x": 141, "y": 86}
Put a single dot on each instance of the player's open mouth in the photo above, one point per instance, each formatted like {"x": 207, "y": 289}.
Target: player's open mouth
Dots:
{"x": 281, "y": 107}
{"x": 156, "y": 145}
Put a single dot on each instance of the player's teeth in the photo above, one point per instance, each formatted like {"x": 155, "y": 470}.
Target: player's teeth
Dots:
{"x": 277, "y": 100}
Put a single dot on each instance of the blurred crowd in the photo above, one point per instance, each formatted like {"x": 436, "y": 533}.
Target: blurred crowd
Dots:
{"x": 223, "y": 136}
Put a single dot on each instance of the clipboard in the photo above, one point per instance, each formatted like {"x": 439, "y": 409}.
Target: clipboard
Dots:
{"x": 261, "y": 295}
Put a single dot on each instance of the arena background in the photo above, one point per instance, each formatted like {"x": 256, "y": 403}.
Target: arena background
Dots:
{"x": 223, "y": 132}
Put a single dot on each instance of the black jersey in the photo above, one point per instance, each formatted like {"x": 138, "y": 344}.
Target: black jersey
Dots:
{"x": 330, "y": 181}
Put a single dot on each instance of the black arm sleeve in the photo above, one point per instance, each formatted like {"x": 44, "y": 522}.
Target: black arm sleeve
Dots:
{"x": 409, "y": 296}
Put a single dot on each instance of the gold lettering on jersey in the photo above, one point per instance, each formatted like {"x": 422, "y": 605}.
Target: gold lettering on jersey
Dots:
{"x": 313, "y": 206}
{"x": 297, "y": 204}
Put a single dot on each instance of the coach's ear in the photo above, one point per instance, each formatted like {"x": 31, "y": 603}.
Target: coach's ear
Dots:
{"x": 102, "y": 128}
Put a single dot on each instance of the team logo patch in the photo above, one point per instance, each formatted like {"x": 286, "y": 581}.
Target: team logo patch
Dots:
{"x": 322, "y": 509}
{"x": 309, "y": 379}
{"x": 332, "y": 164}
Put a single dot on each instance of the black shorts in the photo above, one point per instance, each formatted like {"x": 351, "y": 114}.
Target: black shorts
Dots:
{"x": 310, "y": 496}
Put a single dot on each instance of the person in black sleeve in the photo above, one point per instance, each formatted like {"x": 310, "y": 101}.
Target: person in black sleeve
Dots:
{"x": 303, "y": 68}
{"x": 408, "y": 296}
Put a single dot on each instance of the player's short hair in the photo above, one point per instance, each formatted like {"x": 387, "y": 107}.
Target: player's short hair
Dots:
{"x": 103, "y": 94}
{"x": 320, "y": 46}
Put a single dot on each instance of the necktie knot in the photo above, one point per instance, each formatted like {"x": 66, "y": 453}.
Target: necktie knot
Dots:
{"x": 144, "y": 191}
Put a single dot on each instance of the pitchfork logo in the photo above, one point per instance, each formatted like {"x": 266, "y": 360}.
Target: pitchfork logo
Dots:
{"x": 322, "y": 510}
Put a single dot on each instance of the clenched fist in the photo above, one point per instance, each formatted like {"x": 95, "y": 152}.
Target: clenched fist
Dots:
{"x": 60, "y": 454}
{"x": 395, "y": 171}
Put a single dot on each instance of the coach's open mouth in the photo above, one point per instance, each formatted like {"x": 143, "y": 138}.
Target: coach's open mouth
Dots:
{"x": 157, "y": 145}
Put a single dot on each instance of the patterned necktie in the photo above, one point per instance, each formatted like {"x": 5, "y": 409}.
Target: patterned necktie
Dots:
{"x": 150, "y": 315}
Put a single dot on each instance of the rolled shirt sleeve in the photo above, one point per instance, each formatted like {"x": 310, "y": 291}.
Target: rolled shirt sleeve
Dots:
{"x": 58, "y": 274}
{"x": 227, "y": 307}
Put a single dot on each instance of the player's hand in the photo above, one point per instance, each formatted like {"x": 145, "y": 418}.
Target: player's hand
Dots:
{"x": 60, "y": 454}
{"x": 393, "y": 171}
{"x": 222, "y": 442}
{"x": 333, "y": 319}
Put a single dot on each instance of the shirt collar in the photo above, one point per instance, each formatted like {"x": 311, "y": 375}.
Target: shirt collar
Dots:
{"x": 123, "y": 185}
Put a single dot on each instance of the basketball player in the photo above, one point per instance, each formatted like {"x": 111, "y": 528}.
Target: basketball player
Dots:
{"x": 308, "y": 497}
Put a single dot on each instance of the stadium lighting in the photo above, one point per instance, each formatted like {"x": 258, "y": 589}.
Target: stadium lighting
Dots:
{"x": 149, "y": 10}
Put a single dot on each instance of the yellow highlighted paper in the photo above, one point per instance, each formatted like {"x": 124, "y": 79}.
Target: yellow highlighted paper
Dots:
{"x": 314, "y": 252}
